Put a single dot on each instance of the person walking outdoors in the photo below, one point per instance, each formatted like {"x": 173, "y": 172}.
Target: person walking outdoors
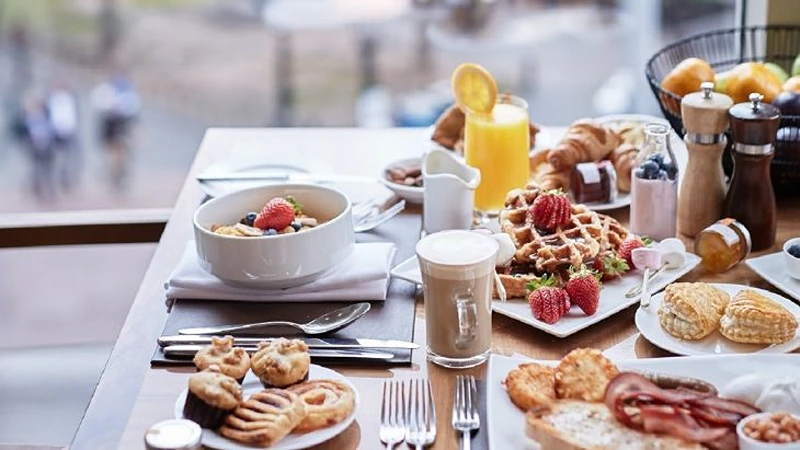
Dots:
{"x": 39, "y": 142}
{"x": 118, "y": 105}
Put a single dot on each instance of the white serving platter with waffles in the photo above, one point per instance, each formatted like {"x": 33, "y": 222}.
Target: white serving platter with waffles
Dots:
{"x": 612, "y": 297}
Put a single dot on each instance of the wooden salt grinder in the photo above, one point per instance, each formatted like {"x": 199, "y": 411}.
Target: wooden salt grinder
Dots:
{"x": 702, "y": 194}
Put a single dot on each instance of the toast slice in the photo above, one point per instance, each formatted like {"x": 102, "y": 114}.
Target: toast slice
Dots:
{"x": 578, "y": 425}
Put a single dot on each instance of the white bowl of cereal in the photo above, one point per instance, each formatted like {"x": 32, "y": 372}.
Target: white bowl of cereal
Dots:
{"x": 245, "y": 243}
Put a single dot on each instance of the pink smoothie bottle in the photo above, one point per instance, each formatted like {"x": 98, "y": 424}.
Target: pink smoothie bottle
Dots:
{"x": 654, "y": 187}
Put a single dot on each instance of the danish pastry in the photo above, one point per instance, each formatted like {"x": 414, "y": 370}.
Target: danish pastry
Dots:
{"x": 752, "y": 318}
{"x": 531, "y": 385}
{"x": 265, "y": 418}
{"x": 691, "y": 311}
{"x": 583, "y": 375}
{"x": 327, "y": 402}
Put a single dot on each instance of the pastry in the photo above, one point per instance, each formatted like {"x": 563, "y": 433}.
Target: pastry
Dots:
{"x": 281, "y": 363}
{"x": 327, "y": 402}
{"x": 692, "y": 311}
{"x": 752, "y": 318}
{"x": 585, "y": 141}
{"x": 583, "y": 375}
{"x": 623, "y": 159}
{"x": 531, "y": 385}
{"x": 265, "y": 418}
{"x": 211, "y": 396}
{"x": 232, "y": 361}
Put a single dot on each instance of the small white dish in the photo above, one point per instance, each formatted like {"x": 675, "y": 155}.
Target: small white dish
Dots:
{"x": 506, "y": 423}
{"x": 279, "y": 261}
{"x": 411, "y": 194}
{"x": 748, "y": 443}
{"x": 714, "y": 344}
{"x": 612, "y": 297}
{"x": 252, "y": 385}
{"x": 773, "y": 268}
{"x": 792, "y": 262}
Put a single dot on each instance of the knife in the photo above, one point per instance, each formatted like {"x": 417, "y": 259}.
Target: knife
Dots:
{"x": 177, "y": 351}
{"x": 322, "y": 343}
{"x": 283, "y": 177}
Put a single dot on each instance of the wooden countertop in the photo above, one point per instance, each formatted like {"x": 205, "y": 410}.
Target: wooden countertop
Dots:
{"x": 131, "y": 396}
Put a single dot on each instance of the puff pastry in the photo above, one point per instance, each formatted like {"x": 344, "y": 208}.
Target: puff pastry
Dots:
{"x": 752, "y": 318}
{"x": 692, "y": 311}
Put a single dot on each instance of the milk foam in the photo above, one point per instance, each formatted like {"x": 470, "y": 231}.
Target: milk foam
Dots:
{"x": 457, "y": 254}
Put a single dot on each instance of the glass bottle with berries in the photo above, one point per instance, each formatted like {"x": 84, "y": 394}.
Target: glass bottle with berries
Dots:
{"x": 654, "y": 190}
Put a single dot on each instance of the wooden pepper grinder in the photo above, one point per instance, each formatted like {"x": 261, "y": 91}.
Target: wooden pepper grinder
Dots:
{"x": 705, "y": 116}
{"x": 750, "y": 199}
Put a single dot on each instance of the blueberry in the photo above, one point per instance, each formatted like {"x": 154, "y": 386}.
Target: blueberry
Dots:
{"x": 249, "y": 219}
{"x": 639, "y": 173}
{"x": 794, "y": 250}
{"x": 271, "y": 232}
{"x": 651, "y": 169}
{"x": 296, "y": 226}
{"x": 657, "y": 158}
{"x": 662, "y": 174}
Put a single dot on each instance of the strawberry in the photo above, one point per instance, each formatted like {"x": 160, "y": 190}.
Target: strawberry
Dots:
{"x": 610, "y": 266}
{"x": 628, "y": 246}
{"x": 277, "y": 215}
{"x": 548, "y": 303}
{"x": 550, "y": 210}
{"x": 584, "y": 289}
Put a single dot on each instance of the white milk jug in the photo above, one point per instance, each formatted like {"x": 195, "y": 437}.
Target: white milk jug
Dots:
{"x": 449, "y": 195}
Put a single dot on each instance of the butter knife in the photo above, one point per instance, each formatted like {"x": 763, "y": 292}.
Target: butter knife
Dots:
{"x": 322, "y": 343}
{"x": 178, "y": 351}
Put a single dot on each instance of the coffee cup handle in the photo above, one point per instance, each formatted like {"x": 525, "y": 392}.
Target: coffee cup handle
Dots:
{"x": 467, "y": 311}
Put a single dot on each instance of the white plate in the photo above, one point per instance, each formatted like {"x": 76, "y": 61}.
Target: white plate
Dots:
{"x": 411, "y": 194}
{"x": 251, "y": 386}
{"x": 773, "y": 269}
{"x": 621, "y": 201}
{"x": 506, "y": 423}
{"x": 612, "y": 297}
{"x": 713, "y": 344}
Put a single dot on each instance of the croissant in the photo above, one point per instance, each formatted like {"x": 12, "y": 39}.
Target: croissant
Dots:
{"x": 449, "y": 129}
{"x": 623, "y": 158}
{"x": 585, "y": 141}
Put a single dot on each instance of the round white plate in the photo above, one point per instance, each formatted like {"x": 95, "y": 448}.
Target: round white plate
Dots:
{"x": 714, "y": 344}
{"x": 411, "y": 194}
{"x": 621, "y": 201}
{"x": 293, "y": 441}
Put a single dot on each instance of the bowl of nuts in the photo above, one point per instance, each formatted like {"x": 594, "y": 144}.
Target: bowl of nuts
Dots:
{"x": 404, "y": 178}
{"x": 779, "y": 431}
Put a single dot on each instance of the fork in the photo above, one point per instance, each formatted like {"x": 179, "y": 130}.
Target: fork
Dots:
{"x": 370, "y": 221}
{"x": 420, "y": 415}
{"x": 465, "y": 409}
{"x": 393, "y": 414}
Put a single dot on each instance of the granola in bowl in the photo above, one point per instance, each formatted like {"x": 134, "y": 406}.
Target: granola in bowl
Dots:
{"x": 280, "y": 215}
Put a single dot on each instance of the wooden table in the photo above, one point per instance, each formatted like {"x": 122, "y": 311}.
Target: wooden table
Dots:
{"x": 131, "y": 396}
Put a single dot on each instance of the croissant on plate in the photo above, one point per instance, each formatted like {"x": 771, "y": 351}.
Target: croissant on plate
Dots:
{"x": 585, "y": 141}
{"x": 623, "y": 159}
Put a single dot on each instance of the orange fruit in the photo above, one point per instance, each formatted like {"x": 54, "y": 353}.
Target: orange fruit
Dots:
{"x": 474, "y": 89}
{"x": 683, "y": 79}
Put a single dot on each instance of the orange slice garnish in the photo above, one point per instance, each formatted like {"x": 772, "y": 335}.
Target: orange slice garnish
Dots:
{"x": 474, "y": 89}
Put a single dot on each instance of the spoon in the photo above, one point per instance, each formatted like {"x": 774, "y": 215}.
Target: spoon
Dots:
{"x": 326, "y": 323}
{"x": 647, "y": 259}
{"x": 669, "y": 260}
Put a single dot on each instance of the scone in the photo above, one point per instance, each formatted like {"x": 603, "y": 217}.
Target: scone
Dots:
{"x": 691, "y": 311}
{"x": 281, "y": 363}
{"x": 211, "y": 396}
{"x": 327, "y": 403}
{"x": 265, "y": 418}
{"x": 752, "y": 318}
{"x": 531, "y": 385}
{"x": 583, "y": 375}
{"x": 232, "y": 361}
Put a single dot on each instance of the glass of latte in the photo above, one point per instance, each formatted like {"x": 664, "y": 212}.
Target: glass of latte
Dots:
{"x": 457, "y": 274}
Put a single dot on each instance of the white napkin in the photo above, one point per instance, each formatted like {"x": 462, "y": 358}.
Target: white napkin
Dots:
{"x": 362, "y": 276}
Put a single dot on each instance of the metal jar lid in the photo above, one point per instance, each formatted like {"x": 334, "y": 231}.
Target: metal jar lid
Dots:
{"x": 173, "y": 434}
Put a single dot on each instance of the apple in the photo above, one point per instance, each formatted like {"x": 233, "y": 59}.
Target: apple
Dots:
{"x": 777, "y": 71}
{"x": 788, "y": 103}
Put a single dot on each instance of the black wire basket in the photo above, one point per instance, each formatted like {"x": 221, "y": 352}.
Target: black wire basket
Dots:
{"x": 723, "y": 50}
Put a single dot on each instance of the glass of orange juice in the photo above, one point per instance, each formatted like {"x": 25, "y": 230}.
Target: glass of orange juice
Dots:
{"x": 498, "y": 143}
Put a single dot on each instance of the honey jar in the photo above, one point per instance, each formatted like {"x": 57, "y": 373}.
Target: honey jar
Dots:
{"x": 722, "y": 245}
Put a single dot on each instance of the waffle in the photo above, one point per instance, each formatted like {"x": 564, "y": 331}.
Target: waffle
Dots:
{"x": 587, "y": 235}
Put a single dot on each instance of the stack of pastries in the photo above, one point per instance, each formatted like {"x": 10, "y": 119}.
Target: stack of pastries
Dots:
{"x": 692, "y": 311}
{"x": 289, "y": 404}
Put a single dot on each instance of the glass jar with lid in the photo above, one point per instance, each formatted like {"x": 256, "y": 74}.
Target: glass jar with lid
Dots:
{"x": 722, "y": 245}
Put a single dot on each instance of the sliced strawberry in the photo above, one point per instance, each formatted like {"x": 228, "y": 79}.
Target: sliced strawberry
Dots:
{"x": 584, "y": 290}
{"x": 550, "y": 211}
